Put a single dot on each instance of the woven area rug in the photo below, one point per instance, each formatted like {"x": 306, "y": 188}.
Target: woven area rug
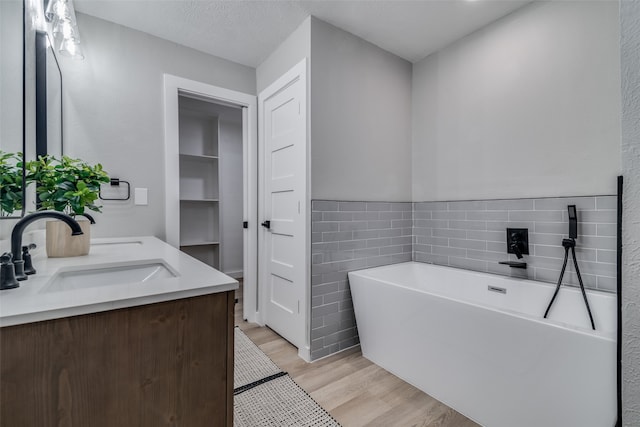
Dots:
{"x": 266, "y": 396}
{"x": 251, "y": 364}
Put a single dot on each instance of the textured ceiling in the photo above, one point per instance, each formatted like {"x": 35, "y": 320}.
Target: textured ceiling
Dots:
{"x": 246, "y": 31}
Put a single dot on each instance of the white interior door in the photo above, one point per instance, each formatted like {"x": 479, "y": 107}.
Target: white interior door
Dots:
{"x": 284, "y": 133}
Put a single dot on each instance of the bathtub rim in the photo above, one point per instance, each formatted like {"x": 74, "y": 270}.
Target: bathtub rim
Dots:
{"x": 604, "y": 335}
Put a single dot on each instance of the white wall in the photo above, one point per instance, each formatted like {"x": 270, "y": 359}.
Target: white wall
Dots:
{"x": 231, "y": 200}
{"x": 529, "y": 106}
{"x": 630, "y": 56}
{"x": 291, "y": 51}
{"x": 114, "y": 111}
{"x": 360, "y": 119}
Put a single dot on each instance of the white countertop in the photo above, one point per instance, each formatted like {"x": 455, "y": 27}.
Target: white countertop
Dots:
{"x": 34, "y": 301}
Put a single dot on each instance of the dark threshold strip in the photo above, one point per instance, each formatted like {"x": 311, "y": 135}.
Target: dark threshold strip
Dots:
{"x": 246, "y": 387}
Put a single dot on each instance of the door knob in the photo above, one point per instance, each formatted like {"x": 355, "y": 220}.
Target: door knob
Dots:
{"x": 266, "y": 224}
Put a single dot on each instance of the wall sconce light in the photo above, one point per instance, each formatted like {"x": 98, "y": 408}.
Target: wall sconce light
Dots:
{"x": 64, "y": 29}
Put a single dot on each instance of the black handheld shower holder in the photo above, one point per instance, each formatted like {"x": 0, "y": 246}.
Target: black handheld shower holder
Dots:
{"x": 570, "y": 244}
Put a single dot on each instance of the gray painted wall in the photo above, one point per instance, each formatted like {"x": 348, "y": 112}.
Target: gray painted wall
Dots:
{"x": 291, "y": 51}
{"x": 529, "y": 106}
{"x": 360, "y": 119}
{"x": 114, "y": 112}
{"x": 630, "y": 55}
{"x": 359, "y": 112}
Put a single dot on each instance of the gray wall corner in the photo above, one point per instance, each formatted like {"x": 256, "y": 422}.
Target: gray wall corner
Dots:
{"x": 291, "y": 51}
{"x": 360, "y": 118}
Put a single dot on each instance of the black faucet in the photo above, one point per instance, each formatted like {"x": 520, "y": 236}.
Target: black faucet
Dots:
{"x": 518, "y": 244}
{"x": 86, "y": 215}
{"x": 18, "y": 229}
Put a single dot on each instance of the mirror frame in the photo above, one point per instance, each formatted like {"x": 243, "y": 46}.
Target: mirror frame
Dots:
{"x": 41, "y": 92}
{"x": 44, "y": 51}
{"x": 24, "y": 109}
{"x": 24, "y": 113}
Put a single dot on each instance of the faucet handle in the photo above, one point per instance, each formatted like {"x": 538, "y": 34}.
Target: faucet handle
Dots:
{"x": 26, "y": 257}
{"x": 518, "y": 241}
{"x": 27, "y": 248}
{"x": 5, "y": 258}
{"x": 7, "y": 273}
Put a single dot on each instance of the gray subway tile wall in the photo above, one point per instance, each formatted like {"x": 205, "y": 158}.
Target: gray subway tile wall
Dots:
{"x": 349, "y": 236}
{"x": 472, "y": 235}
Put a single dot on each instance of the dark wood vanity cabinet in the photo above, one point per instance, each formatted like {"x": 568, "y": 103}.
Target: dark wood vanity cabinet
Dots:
{"x": 163, "y": 364}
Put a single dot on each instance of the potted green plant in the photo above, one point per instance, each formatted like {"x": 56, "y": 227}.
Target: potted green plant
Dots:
{"x": 11, "y": 190}
{"x": 71, "y": 186}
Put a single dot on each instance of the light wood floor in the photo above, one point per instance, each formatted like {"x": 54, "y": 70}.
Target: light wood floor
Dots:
{"x": 355, "y": 391}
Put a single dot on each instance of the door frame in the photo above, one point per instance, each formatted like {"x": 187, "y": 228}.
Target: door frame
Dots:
{"x": 173, "y": 87}
{"x": 297, "y": 72}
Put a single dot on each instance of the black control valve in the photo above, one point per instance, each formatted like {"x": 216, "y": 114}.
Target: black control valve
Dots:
{"x": 518, "y": 241}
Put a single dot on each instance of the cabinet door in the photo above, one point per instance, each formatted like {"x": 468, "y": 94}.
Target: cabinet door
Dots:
{"x": 169, "y": 363}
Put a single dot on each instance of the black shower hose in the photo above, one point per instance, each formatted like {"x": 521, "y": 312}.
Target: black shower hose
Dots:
{"x": 564, "y": 266}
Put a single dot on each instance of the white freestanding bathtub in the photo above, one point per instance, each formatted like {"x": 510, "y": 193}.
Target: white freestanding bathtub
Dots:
{"x": 490, "y": 355}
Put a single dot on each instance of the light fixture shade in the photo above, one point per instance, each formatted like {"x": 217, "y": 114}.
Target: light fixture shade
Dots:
{"x": 64, "y": 29}
{"x": 71, "y": 48}
{"x": 60, "y": 9}
{"x": 36, "y": 13}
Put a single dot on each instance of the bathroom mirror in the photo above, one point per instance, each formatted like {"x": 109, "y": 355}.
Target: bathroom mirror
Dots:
{"x": 12, "y": 111}
{"x": 30, "y": 87}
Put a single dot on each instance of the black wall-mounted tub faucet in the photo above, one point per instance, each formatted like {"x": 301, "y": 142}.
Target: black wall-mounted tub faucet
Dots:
{"x": 517, "y": 244}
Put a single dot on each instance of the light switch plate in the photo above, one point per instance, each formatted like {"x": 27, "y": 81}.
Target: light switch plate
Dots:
{"x": 141, "y": 196}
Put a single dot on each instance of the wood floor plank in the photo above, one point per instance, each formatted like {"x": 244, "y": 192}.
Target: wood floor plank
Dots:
{"x": 319, "y": 378}
{"x": 418, "y": 409}
{"x": 346, "y": 388}
{"x": 355, "y": 391}
{"x": 359, "y": 411}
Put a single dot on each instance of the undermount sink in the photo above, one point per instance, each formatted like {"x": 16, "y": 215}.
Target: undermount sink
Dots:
{"x": 104, "y": 275}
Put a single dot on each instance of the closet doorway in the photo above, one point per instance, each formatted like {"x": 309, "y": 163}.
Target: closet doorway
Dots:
{"x": 211, "y": 179}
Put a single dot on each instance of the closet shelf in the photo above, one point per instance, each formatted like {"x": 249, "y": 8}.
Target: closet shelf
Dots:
{"x": 183, "y": 244}
{"x": 199, "y": 181}
{"x": 198, "y": 156}
{"x": 200, "y": 200}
